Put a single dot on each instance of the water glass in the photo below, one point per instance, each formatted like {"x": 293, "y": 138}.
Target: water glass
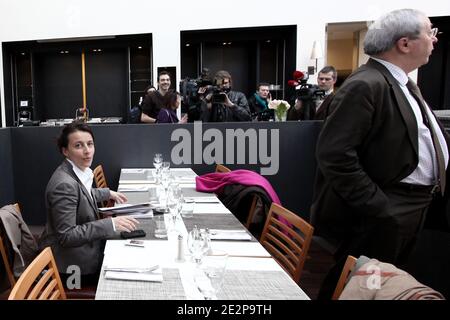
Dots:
{"x": 198, "y": 244}
{"x": 160, "y": 226}
{"x": 209, "y": 276}
{"x": 188, "y": 208}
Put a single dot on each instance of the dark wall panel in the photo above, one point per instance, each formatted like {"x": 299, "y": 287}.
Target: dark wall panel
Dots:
{"x": 131, "y": 146}
{"x": 58, "y": 85}
{"x": 7, "y": 195}
{"x": 106, "y": 86}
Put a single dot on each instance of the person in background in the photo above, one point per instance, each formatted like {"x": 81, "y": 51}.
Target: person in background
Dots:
{"x": 168, "y": 114}
{"x": 228, "y": 105}
{"x": 147, "y": 91}
{"x": 259, "y": 101}
{"x": 153, "y": 102}
{"x": 73, "y": 229}
{"x": 326, "y": 79}
{"x": 316, "y": 108}
{"x": 382, "y": 154}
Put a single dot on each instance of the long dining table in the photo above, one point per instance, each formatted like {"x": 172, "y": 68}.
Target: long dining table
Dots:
{"x": 251, "y": 273}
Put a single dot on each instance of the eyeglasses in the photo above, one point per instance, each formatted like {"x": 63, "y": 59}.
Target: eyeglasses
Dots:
{"x": 433, "y": 32}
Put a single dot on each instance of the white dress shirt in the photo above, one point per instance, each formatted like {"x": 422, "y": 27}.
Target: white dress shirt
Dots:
{"x": 426, "y": 172}
{"x": 87, "y": 178}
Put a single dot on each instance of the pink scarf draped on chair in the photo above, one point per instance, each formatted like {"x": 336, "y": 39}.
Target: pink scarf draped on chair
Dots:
{"x": 214, "y": 182}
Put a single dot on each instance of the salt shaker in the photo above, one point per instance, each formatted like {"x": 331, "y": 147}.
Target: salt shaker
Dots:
{"x": 180, "y": 248}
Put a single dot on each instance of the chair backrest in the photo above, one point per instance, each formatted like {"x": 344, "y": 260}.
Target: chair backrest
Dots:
{"x": 222, "y": 168}
{"x": 5, "y": 252}
{"x": 288, "y": 244}
{"x": 99, "y": 177}
{"x": 348, "y": 268}
{"x": 251, "y": 213}
{"x": 40, "y": 281}
{"x": 100, "y": 182}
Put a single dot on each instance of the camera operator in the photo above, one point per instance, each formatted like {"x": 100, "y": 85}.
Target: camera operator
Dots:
{"x": 223, "y": 104}
{"x": 326, "y": 80}
{"x": 259, "y": 103}
{"x": 312, "y": 101}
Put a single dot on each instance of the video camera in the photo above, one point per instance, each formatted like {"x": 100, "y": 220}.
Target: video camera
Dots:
{"x": 190, "y": 96}
{"x": 189, "y": 88}
{"x": 308, "y": 94}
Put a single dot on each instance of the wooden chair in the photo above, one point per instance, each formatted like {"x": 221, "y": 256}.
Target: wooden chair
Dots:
{"x": 251, "y": 212}
{"x": 289, "y": 245}
{"x": 6, "y": 253}
{"x": 35, "y": 284}
{"x": 100, "y": 182}
{"x": 348, "y": 268}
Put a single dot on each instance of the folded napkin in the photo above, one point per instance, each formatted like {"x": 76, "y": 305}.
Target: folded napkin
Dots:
{"x": 218, "y": 234}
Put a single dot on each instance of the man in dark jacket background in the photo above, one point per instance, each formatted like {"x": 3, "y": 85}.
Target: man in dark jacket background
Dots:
{"x": 228, "y": 105}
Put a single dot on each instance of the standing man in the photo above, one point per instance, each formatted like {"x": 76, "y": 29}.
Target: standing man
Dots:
{"x": 382, "y": 154}
{"x": 153, "y": 101}
{"x": 228, "y": 105}
{"x": 316, "y": 107}
{"x": 326, "y": 80}
{"x": 259, "y": 101}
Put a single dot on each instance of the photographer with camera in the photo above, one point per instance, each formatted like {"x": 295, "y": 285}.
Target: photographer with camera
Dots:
{"x": 259, "y": 103}
{"x": 223, "y": 104}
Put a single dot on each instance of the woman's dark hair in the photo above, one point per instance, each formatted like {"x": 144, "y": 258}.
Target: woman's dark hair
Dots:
{"x": 148, "y": 88}
{"x": 63, "y": 139}
{"x": 170, "y": 99}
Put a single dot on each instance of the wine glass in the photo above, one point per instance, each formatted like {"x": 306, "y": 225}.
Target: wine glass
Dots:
{"x": 198, "y": 244}
{"x": 175, "y": 198}
{"x": 166, "y": 179}
{"x": 157, "y": 160}
{"x": 157, "y": 163}
{"x": 209, "y": 276}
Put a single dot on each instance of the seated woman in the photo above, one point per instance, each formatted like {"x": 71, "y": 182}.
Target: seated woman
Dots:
{"x": 168, "y": 114}
{"x": 73, "y": 230}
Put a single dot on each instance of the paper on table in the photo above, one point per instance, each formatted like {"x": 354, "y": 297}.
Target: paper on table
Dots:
{"x": 133, "y": 258}
{"x": 129, "y": 170}
{"x": 133, "y": 188}
{"x": 211, "y": 199}
{"x": 216, "y": 234}
{"x": 126, "y": 207}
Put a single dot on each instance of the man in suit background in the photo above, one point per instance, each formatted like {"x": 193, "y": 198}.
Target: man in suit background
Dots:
{"x": 382, "y": 155}
{"x": 326, "y": 79}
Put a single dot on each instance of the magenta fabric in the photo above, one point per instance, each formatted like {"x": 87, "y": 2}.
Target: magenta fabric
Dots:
{"x": 214, "y": 182}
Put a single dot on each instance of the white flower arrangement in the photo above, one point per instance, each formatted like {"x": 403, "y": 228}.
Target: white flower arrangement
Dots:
{"x": 280, "y": 107}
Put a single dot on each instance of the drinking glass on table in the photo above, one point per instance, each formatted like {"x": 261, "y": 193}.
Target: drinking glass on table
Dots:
{"x": 198, "y": 244}
{"x": 175, "y": 199}
{"x": 157, "y": 163}
{"x": 209, "y": 276}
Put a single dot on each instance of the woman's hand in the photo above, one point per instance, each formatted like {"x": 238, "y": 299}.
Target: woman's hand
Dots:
{"x": 124, "y": 223}
{"x": 117, "y": 197}
{"x": 184, "y": 119}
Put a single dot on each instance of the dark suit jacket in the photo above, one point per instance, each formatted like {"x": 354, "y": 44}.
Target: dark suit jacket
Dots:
{"x": 73, "y": 230}
{"x": 368, "y": 143}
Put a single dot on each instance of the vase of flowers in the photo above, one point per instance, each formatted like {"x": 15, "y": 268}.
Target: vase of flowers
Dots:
{"x": 280, "y": 107}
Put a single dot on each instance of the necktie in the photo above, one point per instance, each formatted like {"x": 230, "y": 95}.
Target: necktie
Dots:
{"x": 415, "y": 92}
